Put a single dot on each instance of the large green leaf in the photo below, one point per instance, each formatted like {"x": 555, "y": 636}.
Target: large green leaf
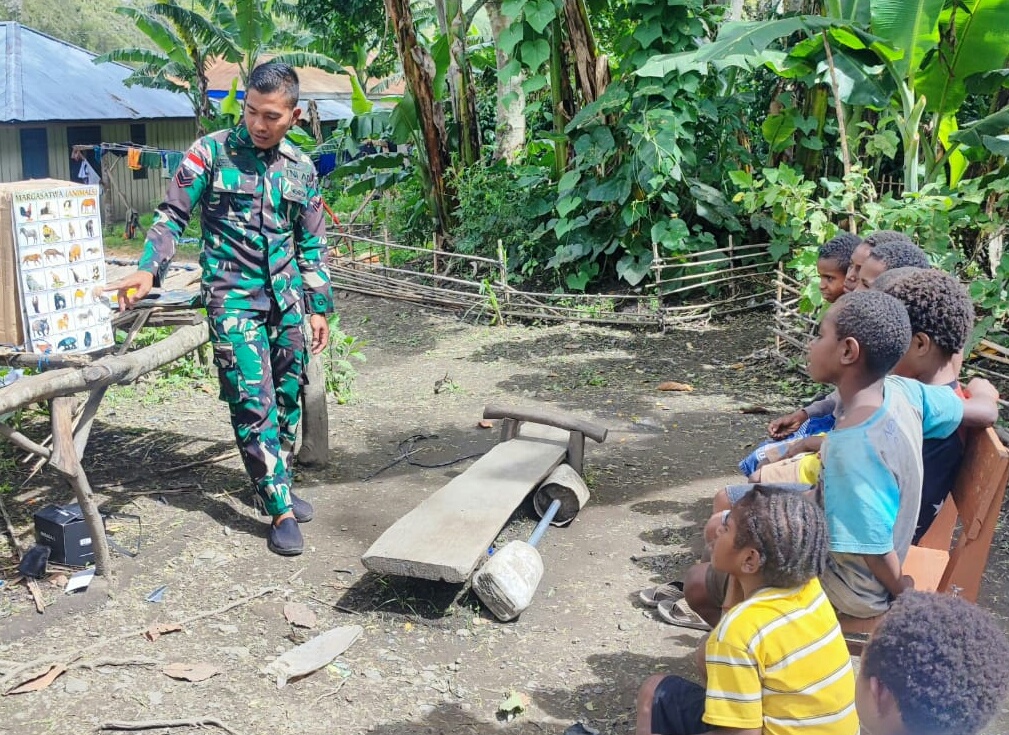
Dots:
{"x": 539, "y": 13}
{"x": 156, "y": 30}
{"x": 977, "y": 42}
{"x": 534, "y": 53}
{"x": 992, "y": 126}
{"x": 956, "y": 161}
{"x": 738, "y": 40}
{"x": 911, "y": 26}
{"x": 306, "y": 58}
{"x": 854, "y": 11}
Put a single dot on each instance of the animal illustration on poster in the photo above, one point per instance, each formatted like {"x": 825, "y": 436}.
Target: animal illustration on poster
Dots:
{"x": 60, "y": 261}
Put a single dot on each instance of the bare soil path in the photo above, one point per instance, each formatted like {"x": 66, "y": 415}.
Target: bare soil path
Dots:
{"x": 431, "y": 660}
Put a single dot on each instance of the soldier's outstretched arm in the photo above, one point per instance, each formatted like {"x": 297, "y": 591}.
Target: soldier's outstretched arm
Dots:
{"x": 170, "y": 220}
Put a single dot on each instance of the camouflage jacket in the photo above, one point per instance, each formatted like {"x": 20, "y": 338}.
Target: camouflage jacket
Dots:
{"x": 263, "y": 230}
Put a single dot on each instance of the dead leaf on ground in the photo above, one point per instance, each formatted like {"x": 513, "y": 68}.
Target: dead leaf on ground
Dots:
{"x": 485, "y": 424}
{"x": 673, "y": 385}
{"x": 159, "y": 629}
{"x": 299, "y": 615}
{"x": 40, "y": 682}
{"x": 58, "y": 580}
{"x": 190, "y": 672}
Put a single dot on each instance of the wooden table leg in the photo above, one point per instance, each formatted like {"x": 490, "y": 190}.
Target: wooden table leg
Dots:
{"x": 67, "y": 463}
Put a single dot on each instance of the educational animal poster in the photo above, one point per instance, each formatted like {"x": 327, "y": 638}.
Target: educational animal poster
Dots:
{"x": 61, "y": 266}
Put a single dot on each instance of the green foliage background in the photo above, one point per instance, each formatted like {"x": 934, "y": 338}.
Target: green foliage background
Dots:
{"x": 90, "y": 24}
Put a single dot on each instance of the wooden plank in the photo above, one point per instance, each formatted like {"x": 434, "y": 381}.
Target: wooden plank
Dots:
{"x": 448, "y": 533}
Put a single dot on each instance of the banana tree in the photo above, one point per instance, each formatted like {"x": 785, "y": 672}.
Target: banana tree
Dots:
{"x": 252, "y": 28}
{"x": 186, "y": 42}
{"x": 909, "y": 56}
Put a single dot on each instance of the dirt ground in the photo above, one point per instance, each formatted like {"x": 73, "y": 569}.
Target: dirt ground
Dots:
{"x": 430, "y": 659}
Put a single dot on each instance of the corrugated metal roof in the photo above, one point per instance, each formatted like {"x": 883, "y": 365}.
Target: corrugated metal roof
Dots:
{"x": 46, "y": 79}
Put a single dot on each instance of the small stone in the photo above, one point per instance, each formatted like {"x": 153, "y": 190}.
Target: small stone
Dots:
{"x": 73, "y": 685}
{"x": 227, "y": 530}
{"x": 623, "y": 626}
{"x": 463, "y": 633}
{"x": 373, "y": 675}
{"x": 228, "y": 629}
{"x": 155, "y": 698}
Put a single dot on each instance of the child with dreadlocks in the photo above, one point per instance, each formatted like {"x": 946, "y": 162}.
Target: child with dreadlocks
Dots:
{"x": 936, "y": 665}
{"x": 870, "y": 484}
{"x": 777, "y": 662}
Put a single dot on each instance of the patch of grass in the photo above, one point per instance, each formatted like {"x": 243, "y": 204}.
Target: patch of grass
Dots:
{"x": 114, "y": 237}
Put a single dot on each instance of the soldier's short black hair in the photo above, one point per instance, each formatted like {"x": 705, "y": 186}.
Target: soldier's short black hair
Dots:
{"x": 276, "y": 75}
{"x": 900, "y": 254}
{"x": 788, "y": 529}
{"x": 937, "y": 304}
{"x": 839, "y": 249}
{"x": 945, "y": 660}
{"x": 880, "y": 236}
{"x": 880, "y": 325}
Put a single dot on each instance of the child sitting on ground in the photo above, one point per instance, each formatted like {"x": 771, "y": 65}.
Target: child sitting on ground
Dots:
{"x": 888, "y": 255}
{"x": 936, "y": 665}
{"x": 870, "y": 484}
{"x": 778, "y": 660}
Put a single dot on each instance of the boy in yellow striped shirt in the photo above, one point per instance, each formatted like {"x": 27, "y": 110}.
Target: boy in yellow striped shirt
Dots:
{"x": 776, "y": 664}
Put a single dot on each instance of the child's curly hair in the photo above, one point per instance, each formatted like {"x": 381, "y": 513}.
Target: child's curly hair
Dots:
{"x": 945, "y": 661}
{"x": 788, "y": 529}
{"x": 937, "y": 304}
{"x": 878, "y": 322}
{"x": 880, "y": 236}
{"x": 839, "y": 249}
{"x": 900, "y": 254}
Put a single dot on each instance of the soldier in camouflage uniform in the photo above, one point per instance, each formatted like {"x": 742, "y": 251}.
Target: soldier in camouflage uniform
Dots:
{"x": 264, "y": 267}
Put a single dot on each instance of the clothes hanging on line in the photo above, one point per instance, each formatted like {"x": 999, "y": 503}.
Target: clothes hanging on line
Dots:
{"x": 87, "y": 174}
{"x": 133, "y": 159}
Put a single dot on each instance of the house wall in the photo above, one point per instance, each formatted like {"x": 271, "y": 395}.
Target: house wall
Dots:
{"x": 142, "y": 195}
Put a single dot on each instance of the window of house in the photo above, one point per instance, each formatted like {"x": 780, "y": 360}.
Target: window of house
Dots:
{"x": 34, "y": 153}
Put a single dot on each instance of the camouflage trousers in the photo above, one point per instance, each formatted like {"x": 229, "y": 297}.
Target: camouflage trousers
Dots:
{"x": 261, "y": 359}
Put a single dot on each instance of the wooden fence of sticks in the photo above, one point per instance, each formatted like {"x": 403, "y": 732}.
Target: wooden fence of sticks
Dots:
{"x": 685, "y": 290}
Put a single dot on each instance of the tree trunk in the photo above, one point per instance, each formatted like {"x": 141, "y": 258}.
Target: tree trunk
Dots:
{"x": 592, "y": 71}
{"x": 419, "y": 71}
{"x": 452, "y": 21}
{"x": 511, "y": 99}
{"x": 561, "y": 96}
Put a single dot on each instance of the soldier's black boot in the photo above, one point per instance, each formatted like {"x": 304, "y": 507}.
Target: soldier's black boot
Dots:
{"x": 285, "y": 538}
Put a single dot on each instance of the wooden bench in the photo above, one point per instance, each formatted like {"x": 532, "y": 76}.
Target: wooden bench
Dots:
{"x": 446, "y": 536}
{"x": 944, "y": 560}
